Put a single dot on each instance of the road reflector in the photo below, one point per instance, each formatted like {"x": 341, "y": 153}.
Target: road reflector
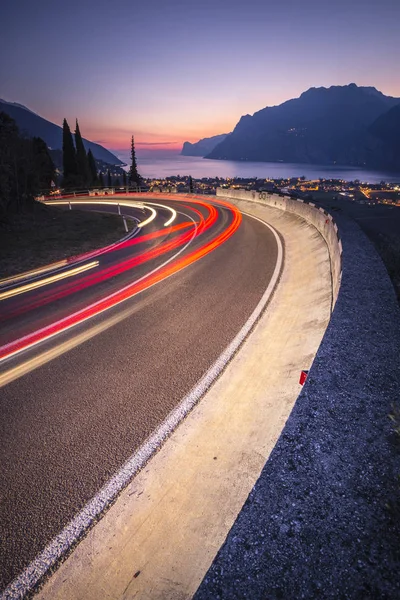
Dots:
{"x": 303, "y": 377}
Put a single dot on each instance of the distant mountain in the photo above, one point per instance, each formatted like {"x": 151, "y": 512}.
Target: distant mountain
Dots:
{"x": 387, "y": 128}
{"x": 336, "y": 125}
{"x": 203, "y": 146}
{"x": 384, "y": 139}
{"x": 31, "y": 124}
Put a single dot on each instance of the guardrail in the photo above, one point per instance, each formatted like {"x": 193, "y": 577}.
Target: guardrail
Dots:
{"x": 318, "y": 217}
{"x": 73, "y": 193}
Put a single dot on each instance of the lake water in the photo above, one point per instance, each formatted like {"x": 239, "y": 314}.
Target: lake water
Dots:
{"x": 175, "y": 164}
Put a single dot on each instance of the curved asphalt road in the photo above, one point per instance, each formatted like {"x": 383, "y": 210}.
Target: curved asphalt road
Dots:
{"x": 68, "y": 426}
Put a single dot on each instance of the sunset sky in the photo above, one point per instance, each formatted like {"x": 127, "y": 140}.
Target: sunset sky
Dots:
{"x": 177, "y": 70}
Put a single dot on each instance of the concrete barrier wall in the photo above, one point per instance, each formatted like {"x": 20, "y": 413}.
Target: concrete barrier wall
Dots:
{"x": 320, "y": 522}
{"x": 321, "y": 220}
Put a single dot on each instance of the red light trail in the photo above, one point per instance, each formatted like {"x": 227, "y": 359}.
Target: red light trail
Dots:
{"x": 193, "y": 231}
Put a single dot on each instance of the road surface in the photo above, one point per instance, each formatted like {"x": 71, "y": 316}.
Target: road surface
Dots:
{"x": 71, "y": 422}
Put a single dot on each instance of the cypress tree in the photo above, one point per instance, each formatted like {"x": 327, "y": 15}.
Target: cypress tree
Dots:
{"x": 117, "y": 183}
{"x": 108, "y": 178}
{"x": 190, "y": 185}
{"x": 81, "y": 158}
{"x": 124, "y": 178}
{"x": 92, "y": 168}
{"x": 101, "y": 179}
{"x": 134, "y": 177}
{"x": 69, "y": 157}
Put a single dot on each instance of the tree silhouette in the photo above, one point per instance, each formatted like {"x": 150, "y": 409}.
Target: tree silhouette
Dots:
{"x": 69, "y": 158}
{"x": 43, "y": 171}
{"x": 9, "y": 192}
{"x": 81, "y": 158}
{"x": 101, "y": 179}
{"x": 134, "y": 177}
{"x": 92, "y": 168}
{"x": 26, "y": 168}
{"x": 190, "y": 185}
{"x": 108, "y": 178}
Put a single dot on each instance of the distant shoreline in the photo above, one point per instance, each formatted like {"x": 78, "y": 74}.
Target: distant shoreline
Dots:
{"x": 163, "y": 165}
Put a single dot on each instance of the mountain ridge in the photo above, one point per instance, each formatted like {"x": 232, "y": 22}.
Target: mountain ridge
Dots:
{"x": 322, "y": 126}
{"x": 33, "y": 125}
{"x": 203, "y": 146}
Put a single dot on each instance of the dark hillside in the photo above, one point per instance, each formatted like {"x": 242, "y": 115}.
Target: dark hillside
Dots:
{"x": 32, "y": 125}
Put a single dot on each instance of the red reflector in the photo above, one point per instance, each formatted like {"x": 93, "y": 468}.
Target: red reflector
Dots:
{"x": 303, "y": 377}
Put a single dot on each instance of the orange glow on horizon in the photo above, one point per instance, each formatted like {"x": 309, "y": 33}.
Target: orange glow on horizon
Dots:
{"x": 159, "y": 146}
{"x": 120, "y": 141}
{"x": 124, "y": 146}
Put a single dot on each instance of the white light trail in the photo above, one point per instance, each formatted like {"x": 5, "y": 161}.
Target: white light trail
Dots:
{"x": 116, "y": 202}
{"x": 47, "y": 280}
{"x": 150, "y": 219}
{"x": 172, "y": 211}
{"x": 33, "y": 273}
{"x": 29, "y": 365}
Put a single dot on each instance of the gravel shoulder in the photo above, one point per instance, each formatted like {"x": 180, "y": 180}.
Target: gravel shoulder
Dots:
{"x": 323, "y": 520}
{"x": 381, "y": 223}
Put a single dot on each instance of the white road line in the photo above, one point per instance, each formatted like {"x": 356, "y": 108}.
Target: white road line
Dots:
{"x": 16, "y": 372}
{"x": 129, "y": 203}
{"x": 7, "y": 281}
{"x": 57, "y": 266}
{"x": 151, "y": 217}
{"x": 172, "y": 210}
{"x": 48, "y": 280}
{"x": 71, "y": 533}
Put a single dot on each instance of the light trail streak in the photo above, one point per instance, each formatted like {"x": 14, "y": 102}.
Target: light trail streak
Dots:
{"x": 122, "y": 267}
{"x": 48, "y": 280}
{"x": 171, "y": 220}
{"x": 36, "y": 361}
{"x": 130, "y": 204}
{"x": 130, "y": 290}
{"x": 110, "y": 248}
{"x": 33, "y": 273}
{"x": 155, "y": 234}
{"x": 44, "y": 357}
{"x": 171, "y": 210}
{"x": 150, "y": 219}
{"x": 111, "y": 271}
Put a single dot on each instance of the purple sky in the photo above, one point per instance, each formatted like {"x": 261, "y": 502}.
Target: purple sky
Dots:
{"x": 175, "y": 70}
